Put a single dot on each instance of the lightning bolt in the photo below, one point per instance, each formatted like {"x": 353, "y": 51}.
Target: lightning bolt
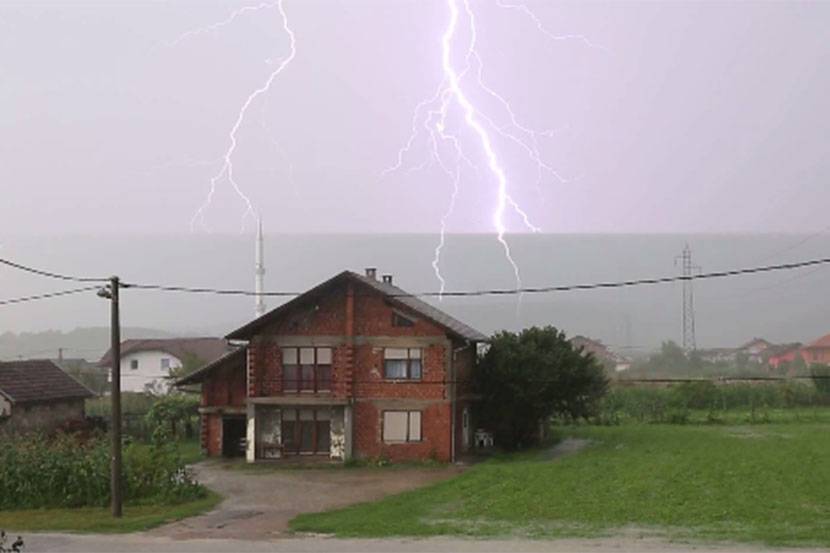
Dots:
{"x": 226, "y": 171}
{"x": 429, "y": 121}
{"x": 216, "y": 26}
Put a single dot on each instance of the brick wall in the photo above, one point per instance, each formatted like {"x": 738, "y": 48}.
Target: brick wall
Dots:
{"x": 225, "y": 387}
{"x": 435, "y": 432}
{"x": 212, "y": 434}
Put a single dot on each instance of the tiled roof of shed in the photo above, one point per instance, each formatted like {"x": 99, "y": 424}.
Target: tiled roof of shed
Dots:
{"x": 38, "y": 380}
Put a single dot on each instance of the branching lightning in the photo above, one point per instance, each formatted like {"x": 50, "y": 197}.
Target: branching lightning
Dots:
{"x": 226, "y": 171}
{"x": 429, "y": 122}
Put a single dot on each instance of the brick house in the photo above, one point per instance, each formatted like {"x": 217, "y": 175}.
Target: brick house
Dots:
{"x": 37, "y": 396}
{"x": 354, "y": 367}
{"x": 818, "y": 351}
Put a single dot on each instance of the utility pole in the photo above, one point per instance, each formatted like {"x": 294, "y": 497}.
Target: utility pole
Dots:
{"x": 111, "y": 293}
{"x": 689, "y": 341}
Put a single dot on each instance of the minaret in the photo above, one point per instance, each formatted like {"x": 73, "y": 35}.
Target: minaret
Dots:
{"x": 259, "y": 286}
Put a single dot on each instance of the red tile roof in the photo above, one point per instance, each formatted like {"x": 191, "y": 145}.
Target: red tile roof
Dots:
{"x": 823, "y": 342}
{"x": 38, "y": 380}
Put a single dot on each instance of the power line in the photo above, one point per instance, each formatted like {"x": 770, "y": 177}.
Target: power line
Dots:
{"x": 525, "y": 290}
{"x": 50, "y": 274}
{"x": 47, "y": 296}
{"x": 464, "y": 293}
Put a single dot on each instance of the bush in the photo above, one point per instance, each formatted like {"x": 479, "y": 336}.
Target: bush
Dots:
{"x": 524, "y": 379}
{"x": 65, "y": 472}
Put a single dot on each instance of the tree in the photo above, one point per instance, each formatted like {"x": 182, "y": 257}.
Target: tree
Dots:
{"x": 169, "y": 413}
{"x": 524, "y": 379}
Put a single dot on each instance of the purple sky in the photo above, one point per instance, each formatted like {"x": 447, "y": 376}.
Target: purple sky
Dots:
{"x": 690, "y": 117}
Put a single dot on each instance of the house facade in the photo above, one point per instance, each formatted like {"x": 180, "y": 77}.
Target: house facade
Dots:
{"x": 355, "y": 367}
{"x": 37, "y": 396}
{"x": 146, "y": 365}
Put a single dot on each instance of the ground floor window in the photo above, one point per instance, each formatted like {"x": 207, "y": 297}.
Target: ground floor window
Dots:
{"x": 306, "y": 431}
{"x": 401, "y": 426}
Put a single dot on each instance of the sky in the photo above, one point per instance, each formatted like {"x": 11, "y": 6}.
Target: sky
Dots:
{"x": 652, "y": 117}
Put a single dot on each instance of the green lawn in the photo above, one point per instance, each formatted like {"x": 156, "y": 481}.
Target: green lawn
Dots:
{"x": 759, "y": 483}
{"x": 97, "y": 520}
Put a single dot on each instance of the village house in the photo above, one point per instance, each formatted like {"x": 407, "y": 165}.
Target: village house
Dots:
{"x": 146, "y": 365}
{"x": 37, "y": 396}
{"x": 783, "y": 356}
{"x": 354, "y": 367}
{"x": 610, "y": 360}
{"x": 817, "y": 352}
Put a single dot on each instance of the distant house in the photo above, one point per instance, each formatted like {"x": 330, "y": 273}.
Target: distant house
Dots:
{"x": 147, "y": 364}
{"x": 755, "y": 349}
{"x": 717, "y": 355}
{"x": 818, "y": 351}
{"x": 354, "y": 367}
{"x": 37, "y": 396}
{"x": 783, "y": 355}
{"x": 600, "y": 351}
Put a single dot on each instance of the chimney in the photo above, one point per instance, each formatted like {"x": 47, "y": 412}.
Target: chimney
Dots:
{"x": 372, "y": 273}
{"x": 387, "y": 279}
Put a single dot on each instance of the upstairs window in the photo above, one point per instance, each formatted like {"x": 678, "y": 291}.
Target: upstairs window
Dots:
{"x": 165, "y": 363}
{"x": 134, "y": 364}
{"x": 402, "y": 363}
{"x": 401, "y": 321}
{"x": 306, "y": 369}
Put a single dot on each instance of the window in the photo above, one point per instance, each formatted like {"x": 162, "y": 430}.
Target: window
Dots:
{"x": 306, "y": 431}
{"x": 402, "y": 363}
{"x": 134, "y": 364}
{"x": 306, "y": 369}
{"x": 165, "y": 363}
{"x": 400, "y": 320}
{"x": 401, "y": 426}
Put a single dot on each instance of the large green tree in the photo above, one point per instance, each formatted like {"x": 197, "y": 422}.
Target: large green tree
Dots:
{"x": 523, "y": 379}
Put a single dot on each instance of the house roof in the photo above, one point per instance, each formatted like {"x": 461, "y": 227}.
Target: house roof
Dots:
{"x": 389, "y": 291}
{"x": 206, "y": 349}
{"x": 231, "y": 358}
{"x": 754, "y": 341}
{"x": 38, "y": 380}
{"x": 823, "y": 342}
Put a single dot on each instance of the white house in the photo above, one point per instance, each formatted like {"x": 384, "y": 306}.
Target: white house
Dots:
{"x": 146, "y": 365}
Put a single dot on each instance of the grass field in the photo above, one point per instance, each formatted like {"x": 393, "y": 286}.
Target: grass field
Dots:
{"x": 98, "y": 520}
{"x": 764, "y": 483}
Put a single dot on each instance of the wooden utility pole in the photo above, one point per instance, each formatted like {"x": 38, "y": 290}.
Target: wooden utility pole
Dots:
{"x": 115, "y": 397}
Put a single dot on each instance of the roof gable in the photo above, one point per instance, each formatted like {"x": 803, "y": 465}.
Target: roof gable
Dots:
{"x": 389, "y": 291}
{"x": 206, "y": 349}
{"x": 38, "y": 380}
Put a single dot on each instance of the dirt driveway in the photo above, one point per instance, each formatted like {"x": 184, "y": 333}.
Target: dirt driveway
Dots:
{"x": 259, "y": 503}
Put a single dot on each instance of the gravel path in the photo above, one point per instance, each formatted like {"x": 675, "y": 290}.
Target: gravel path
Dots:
{"x": 258, "y": 504}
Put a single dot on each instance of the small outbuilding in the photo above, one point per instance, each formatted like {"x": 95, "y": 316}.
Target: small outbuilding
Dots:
{"x": 37, "y": 396}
